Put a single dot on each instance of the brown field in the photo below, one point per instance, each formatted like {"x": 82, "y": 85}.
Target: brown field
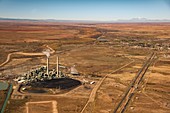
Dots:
{"x": 78, "y": 44}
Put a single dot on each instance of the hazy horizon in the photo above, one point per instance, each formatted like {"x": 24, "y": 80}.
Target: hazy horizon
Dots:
{"x": 94, "y": 10}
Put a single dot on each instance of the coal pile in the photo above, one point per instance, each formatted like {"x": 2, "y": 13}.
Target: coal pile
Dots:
{"x": 36, "y": 91}
{"x": 62, "y": 83}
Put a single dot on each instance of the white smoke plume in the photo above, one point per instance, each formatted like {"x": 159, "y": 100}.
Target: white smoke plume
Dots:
{"x": 47, "y": 53}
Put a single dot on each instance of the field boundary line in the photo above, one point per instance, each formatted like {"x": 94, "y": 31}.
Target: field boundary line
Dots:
{"x": 54, "y": 105}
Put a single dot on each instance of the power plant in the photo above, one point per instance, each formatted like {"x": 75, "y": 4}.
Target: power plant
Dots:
{"x": 42, "y": 73}
{"x": 46, "y": 80}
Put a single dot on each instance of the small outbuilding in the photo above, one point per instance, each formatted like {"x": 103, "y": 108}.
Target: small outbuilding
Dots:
{"x": 74, "y": 71}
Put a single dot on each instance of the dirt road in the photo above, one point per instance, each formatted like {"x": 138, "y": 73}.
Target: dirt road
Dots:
{"x": 97, "y": 86}
{"x": 25, "y": 54}
{"x": 54, "y": 105}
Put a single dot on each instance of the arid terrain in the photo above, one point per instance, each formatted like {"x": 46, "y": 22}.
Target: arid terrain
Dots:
{"x": 109, "y": 54}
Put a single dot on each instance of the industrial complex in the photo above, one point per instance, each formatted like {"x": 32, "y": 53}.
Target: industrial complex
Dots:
{"x": 51, "y": 67}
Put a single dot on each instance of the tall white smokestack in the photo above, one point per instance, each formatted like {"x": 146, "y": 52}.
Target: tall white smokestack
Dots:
{"x": 48, "y": 66}
{"x": 57, "y": 66}
{"x": 47, "y": 53}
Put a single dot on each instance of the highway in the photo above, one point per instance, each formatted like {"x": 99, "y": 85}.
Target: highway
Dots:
{"x": 122, "y": 105}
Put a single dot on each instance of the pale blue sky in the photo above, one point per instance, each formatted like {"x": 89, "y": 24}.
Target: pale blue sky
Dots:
{"x": 105, "y": 10}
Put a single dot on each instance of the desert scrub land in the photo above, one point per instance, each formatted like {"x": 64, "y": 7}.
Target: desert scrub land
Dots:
{"x": 96, "y": 50}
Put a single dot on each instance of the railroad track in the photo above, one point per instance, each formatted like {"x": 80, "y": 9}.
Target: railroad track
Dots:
{"x": 97, "y": 86}
{"x": 121, "y": 107}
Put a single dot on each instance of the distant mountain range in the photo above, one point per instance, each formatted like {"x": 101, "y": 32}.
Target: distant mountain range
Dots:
{"x": 143, "y": 20}
{"x": 15, "y": 19}
{"x": 133, "y": 20}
